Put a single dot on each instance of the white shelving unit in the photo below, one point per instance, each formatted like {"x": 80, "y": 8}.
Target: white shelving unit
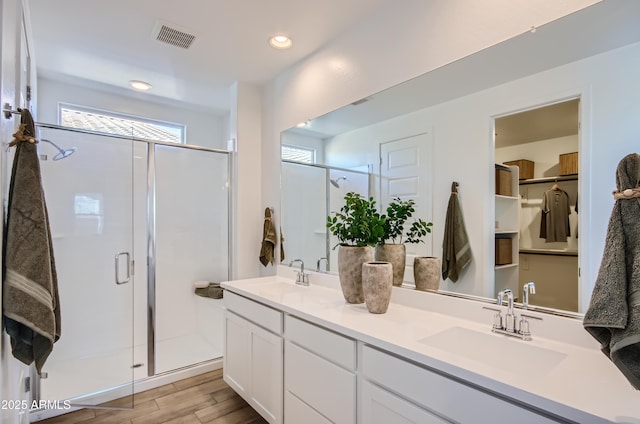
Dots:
{"x": 507, "y": 225}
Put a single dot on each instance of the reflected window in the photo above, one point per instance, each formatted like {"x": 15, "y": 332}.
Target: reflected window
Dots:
{"x": 89, "y": 214}
{"x": 298, "y": 154}
{"x": 119, "y": 124}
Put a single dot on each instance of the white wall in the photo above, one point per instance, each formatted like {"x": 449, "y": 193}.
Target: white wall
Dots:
{"x": 203, "y": 128}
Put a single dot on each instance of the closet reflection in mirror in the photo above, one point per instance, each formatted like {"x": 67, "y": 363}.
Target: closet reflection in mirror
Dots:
{"x": 452, "y": 111}
{"x": 546, "y": 242}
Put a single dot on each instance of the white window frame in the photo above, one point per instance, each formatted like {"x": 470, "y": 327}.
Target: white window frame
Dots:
{"x": 179, "y": 130}
{"x": 312, "y": 152}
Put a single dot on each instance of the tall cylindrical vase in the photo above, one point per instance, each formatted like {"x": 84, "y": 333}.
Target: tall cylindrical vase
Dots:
{"x": 350, "y": 260}
{"x": 395, "y": 254}
{"x": 427, "y": 272}
{"x": 377, "y": 279}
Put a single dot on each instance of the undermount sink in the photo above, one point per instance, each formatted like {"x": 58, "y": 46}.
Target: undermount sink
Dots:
{"x": 498, "y": 351}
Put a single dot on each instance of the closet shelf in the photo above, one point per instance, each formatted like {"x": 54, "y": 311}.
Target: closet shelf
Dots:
{"x": 498, "y": 267}
{"x": 500, "y": 196}
{"x": 549, "y": 179}
{"x": 498, "y": 231}
{"x": 554, "y": 252}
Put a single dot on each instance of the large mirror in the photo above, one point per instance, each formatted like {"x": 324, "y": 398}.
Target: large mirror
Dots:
{"x": 445, "y": 126}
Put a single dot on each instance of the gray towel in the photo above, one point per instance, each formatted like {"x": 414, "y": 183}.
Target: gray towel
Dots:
{"x": 456, "y": 254}
{"x": 213, "y": 291}
{"x": 31, "y": 306}
{"x": 269, "y": 240}
{"x": 613, "y": 317}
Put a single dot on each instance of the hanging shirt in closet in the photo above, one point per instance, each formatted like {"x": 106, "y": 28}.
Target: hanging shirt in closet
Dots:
{"x": 554, "y": 225}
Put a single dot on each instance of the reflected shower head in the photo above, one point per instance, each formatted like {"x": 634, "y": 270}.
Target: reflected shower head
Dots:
{"x": 62, "y": 153}
{"x": 335, "y": 182}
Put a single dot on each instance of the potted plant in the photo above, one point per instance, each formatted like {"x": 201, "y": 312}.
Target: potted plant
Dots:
{"x": 358, "y": 227}
{"x": 392, "y": 246}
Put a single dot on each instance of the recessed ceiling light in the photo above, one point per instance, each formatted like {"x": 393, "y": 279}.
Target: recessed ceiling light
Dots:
{"x": 140, "y": 85}
{"x": 280, "y": 42}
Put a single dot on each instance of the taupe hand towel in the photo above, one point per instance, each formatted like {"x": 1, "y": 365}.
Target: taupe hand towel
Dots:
{"x": 613, "y": 317}
{"x": 31, "y": 306}
{"x": 456, "y": 251}
{"x": 269, "y": 240}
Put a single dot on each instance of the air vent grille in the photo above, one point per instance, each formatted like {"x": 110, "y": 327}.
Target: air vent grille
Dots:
{"x": 171, "y": 35}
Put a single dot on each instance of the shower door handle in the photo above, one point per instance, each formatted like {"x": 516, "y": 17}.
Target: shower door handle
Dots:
{"x": 128, "y": 276}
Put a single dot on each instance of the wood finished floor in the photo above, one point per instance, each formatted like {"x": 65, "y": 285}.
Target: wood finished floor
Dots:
{"x": 204, "y": 398}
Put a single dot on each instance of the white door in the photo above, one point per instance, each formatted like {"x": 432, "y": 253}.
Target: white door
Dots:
{"x": 13, "y": 77}
{"x": 406, "y": 171}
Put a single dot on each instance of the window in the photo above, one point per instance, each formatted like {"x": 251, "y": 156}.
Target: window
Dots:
{"x": 120, "y": 124}
{"x": 298, "y": 154}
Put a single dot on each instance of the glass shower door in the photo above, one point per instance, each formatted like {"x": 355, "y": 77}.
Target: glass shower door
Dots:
{"x": 89, "y": 198}
{"x": 191, "y": 244}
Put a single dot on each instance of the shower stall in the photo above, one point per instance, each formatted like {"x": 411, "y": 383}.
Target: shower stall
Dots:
{"x": 134, "y": 224}
{"x": 310, "y": 192}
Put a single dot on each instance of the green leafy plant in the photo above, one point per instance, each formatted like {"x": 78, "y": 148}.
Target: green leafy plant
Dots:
{"x": 358, "y": 223}
{"x": 398, "y": 212}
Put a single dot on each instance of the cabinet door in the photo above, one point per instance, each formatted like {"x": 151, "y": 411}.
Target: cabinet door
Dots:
{"x": 266, "y": 374}
{"x": 236, "y": 359}
{"x": 381, "y": 407}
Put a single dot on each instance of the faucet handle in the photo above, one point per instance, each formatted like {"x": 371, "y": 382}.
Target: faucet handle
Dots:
{"x": 497, "y": 318}
{"x": 524, "y": 326}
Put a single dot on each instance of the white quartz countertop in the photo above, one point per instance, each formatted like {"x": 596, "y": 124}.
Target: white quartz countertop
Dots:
{"x": 574, "y": 381}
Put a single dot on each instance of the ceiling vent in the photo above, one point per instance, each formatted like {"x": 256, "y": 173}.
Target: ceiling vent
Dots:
{"x": 173, "y": 34}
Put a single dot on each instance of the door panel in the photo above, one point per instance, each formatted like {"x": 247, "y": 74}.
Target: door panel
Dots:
{"x": 89, "y": 198}
{"x": 406, "y": 168}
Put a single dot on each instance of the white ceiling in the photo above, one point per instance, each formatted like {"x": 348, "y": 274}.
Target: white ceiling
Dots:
{"x": 110, "y": 42}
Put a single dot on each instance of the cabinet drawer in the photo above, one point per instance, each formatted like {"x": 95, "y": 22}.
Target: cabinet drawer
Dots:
{"x": 382, "y": 407}
{"x": 441, "y": 395}
{"x": 331, "y": 346}
{"x": 296, "y": 411}
{"x": 326, "y": 387}
{"x": 255, "y": 312}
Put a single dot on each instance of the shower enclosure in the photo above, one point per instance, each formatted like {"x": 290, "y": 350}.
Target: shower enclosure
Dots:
{"x": 310, "y": 192}
{"x": 134, "y": 224}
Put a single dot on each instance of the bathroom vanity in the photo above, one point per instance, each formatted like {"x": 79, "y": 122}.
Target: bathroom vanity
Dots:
{"x": 303, "y": 355}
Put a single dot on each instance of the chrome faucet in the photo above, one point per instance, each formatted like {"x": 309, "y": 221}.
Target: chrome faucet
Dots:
{"x": 507, "y": 325}
{"x": 509, "y": 318}
{"x": 318, "y": 264}
{"x": 529, "y": 287}
{"x": 302, "y": 278}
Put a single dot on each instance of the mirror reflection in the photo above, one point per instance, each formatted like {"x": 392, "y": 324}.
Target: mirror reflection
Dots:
{"x": 460, "y": 120}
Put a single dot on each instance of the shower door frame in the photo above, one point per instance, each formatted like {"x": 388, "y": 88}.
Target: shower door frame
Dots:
{"x": 151, "y": 244}
{"x": 151, "y": 240}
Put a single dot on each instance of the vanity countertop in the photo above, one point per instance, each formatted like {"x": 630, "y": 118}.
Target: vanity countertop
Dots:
{"x": 573, "y": 380}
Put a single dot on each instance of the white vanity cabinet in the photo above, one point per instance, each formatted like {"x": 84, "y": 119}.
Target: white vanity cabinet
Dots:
{"x": 253, "y": 354}
{"x": 320, "y": 375}
{"x": 399, "y": 391}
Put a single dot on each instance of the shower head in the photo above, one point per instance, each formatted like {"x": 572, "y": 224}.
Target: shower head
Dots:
{"x": 335, "y": 182}
{"x": 62, "y": 153}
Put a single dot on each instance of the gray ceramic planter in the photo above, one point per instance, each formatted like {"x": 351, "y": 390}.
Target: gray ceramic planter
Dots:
{"x": 427, "y": 272}
{"x": 396, "y": 254}
{"x": 377, "y": 280}
{"x": 350, "y": 260}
